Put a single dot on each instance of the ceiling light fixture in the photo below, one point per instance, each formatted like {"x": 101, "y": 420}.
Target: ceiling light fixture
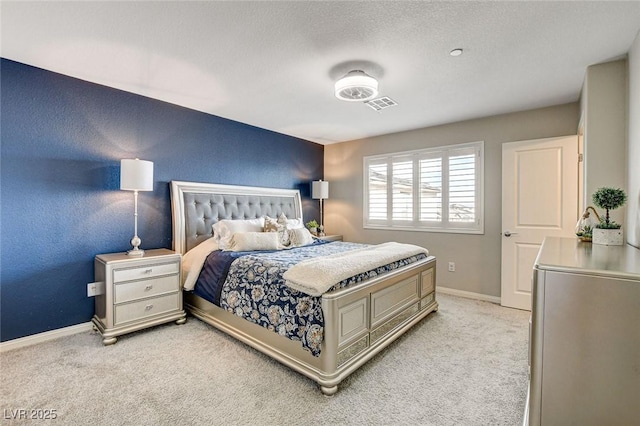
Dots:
{"x": 356, "y": 86}
{"x": 456, "y": 52}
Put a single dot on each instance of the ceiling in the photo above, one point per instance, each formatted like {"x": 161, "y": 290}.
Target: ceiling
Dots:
{"x": 273, "y": 64}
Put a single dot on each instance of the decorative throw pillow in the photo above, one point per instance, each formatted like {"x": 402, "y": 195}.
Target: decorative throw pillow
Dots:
{"x": 300, "y": 237}
{"x": 224, "y": 229}
{"x": 250, "y": 241}
{"x": 276, "y": 225}
{"x": 270, "y": 224}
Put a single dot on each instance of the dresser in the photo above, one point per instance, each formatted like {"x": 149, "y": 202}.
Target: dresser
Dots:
{"x": 138, "y": 292}
{"x": 584, "y": 349}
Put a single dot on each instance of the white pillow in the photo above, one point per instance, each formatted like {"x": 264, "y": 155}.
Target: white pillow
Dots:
{"x": 224, "y": 229}
{"x": 193, "y": 260}
{"x": 250, "y": 241}
{"x": 300, "y": 237}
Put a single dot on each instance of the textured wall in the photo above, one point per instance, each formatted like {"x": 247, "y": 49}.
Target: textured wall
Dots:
{"x": 477, "y": 257}
{"x": 605, "y": 130}
{"x": 62, "y": 141}
{"x": 633, "y": 159}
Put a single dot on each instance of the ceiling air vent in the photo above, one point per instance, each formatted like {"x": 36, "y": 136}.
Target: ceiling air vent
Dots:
{"x": 381, "y": 103}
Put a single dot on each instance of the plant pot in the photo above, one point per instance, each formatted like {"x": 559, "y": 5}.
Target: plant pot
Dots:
{"x": 608, "y": 237}
{"x": 314, "y": 231}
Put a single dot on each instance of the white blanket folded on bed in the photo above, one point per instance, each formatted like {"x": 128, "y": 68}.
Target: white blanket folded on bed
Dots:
{"x": 316, "y": 276}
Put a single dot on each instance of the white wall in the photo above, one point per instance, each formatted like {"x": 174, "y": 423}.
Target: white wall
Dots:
{"x": 632, "y": 223}
{"x": 604, "y": 103}
{"x": 477, "y": 257}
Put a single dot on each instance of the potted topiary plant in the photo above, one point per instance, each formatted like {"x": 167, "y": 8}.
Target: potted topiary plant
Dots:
{"x": 608, "y": 232}
{"x": 312, "y": 225}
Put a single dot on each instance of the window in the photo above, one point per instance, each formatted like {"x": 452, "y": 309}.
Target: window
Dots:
{"x": 436, "y": 189}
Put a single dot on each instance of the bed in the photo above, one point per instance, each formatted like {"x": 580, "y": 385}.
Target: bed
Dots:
{"x": 359, "y": 319}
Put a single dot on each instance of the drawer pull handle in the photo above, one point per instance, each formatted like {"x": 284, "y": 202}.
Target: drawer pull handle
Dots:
{"x": 149, "y": 287}
{"x": 148, "y": 307}
{"x": 148, "y": 271}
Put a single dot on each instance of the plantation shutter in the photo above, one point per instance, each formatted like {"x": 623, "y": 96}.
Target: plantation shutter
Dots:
{"x": 462, "y": 186}
{"x": 402, "y": 200}
{"x": 434, "y": 189}
{"x": 377, "y": 192}
{"x": 431, "y": 189}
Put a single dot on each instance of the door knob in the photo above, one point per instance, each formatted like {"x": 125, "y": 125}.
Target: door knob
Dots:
{"x": 508, "y": 233}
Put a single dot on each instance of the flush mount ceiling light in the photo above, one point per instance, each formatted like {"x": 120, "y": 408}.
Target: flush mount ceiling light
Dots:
{"x": 456, "y": 52}
{"x": 356, "y": 86}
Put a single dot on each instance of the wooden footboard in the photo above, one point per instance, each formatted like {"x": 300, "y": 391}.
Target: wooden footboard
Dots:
{"x": 360, "y": 321}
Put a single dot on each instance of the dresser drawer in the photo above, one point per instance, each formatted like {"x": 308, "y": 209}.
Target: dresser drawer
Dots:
{"x": 134, "y": 290}
{"x": 147, "y": 271}
{"x": 146, "y": 308}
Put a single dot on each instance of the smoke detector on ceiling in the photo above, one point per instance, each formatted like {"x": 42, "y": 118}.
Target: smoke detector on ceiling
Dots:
{"x": 356, "y": 86}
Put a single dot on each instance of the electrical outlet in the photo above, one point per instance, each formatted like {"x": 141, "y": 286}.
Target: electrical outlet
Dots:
{"x": 452, "y": 266}
{"x": 95, "y": 289}
{"x": 92, "y": 289}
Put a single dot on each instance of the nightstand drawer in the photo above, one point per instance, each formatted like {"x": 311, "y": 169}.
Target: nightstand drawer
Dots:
{"x": 146, "y": 308}
{"x": 147, "y": 271}
{"x": 145, "y": 288}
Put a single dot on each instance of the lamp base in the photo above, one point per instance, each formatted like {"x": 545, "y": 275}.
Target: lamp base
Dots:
{"x": 135, "y": 252}
{"x": 135, "y": 242}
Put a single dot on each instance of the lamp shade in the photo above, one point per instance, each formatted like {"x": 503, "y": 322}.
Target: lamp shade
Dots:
{"x": 319, "y": 189}
{"x": 136, "y": 175}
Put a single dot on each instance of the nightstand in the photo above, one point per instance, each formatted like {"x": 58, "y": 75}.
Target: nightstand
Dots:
{"x": 137, "y": 292}
{"x": 331, "y": 238}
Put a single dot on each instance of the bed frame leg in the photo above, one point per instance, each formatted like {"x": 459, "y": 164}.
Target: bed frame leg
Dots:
{"x": 329, "y": 390}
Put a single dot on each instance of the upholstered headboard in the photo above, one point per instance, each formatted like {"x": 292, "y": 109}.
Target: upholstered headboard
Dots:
{"x": 197, "y": 206}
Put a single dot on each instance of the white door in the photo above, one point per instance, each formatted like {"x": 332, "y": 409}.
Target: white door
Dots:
{"x": 539, "y": 199}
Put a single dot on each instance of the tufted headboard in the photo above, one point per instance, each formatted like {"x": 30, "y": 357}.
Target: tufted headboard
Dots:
{"x": 197, "y": 206}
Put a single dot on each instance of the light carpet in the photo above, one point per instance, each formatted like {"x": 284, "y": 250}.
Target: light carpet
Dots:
{"x": 463, "y": 365}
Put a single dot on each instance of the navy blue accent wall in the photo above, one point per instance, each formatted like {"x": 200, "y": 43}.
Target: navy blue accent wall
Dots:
{"x": 62, "y": 141}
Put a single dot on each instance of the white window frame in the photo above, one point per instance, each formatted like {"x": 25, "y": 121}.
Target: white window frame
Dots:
{"x": 445, "y": 225}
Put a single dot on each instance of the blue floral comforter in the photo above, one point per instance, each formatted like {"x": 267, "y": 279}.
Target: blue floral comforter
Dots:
{"x": 250, "y": 285}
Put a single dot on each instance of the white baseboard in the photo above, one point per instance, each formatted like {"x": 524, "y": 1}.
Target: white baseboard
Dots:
{"x": 22, "y": 342}
{"x": 468, "y": 294}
